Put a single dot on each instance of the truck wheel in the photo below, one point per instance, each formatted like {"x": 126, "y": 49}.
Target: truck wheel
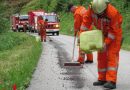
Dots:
{"x": 39, "y": 33}
{"x": 53, "y": 34}
{"x": 18, "y": 30}
{"x": 57, "y": 33}
{"x": 31, "y": 31}
{"x": 14, "y": 30}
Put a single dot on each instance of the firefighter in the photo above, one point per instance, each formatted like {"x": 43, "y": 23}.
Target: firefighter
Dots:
{"x": 25, "y": 27}
{"x": 78, "y": 12}
{"x": 106, "y": 17}
{"x": 42, "y": 28}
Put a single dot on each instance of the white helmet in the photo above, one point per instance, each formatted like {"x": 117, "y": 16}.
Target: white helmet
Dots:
{"x": 99, "y": 6}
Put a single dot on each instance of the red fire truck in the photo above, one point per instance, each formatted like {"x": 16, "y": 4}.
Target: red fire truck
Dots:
{"x": 19, "y": 22}
{"x": 33, "y": 19}
{"x": 53, "y": 25}
{"x": 14, "y": 22}
{"x": 23, "y": 23}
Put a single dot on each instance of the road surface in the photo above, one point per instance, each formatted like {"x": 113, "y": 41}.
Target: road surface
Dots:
{"x": 50, "y": 73}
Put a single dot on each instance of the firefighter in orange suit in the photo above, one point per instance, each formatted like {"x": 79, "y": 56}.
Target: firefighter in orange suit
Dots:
{"x": 78, "y": 12}
{"x": 42, "y": 28}
{"x": 25, "y": 27}
{"x": 106, "y": 17}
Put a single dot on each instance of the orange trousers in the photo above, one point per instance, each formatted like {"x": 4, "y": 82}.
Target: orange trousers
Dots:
{"x": 43, "y": 34}
{"x": 108, "y": 62}
{"x": 24, "y": 28}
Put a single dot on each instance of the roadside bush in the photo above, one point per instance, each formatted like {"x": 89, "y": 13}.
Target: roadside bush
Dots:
{"x": 10, "y": 40}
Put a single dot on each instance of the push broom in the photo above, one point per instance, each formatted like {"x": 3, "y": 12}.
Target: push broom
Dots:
{"x": 72, "y": 63}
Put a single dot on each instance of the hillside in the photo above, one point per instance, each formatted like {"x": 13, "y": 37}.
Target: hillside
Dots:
{"x": 8, "y": 7}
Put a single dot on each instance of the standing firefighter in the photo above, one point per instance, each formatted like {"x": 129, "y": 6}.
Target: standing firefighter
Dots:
{"x": 79, "y": 12}
{"x": 42, "y": 28}
{"x": 25, "y": 27}
{"x": 105, "y": 17}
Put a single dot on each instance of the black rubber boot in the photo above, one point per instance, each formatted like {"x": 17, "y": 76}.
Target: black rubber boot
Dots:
{"x": 110, "y": 85}
{"x": 99, "y": 83}
{"x": 88, "y": 61}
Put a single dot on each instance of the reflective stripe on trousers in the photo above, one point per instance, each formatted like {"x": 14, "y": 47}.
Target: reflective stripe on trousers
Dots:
{"x": 108, "y": 69}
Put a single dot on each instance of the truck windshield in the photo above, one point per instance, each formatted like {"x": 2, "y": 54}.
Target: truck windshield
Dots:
{"x": 51, "y": 18}
{"x": 23, "y": 18}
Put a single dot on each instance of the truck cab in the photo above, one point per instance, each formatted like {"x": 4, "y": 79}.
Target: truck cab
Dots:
{"x": 23, "y": 23}
{"x": 53, "y": 25}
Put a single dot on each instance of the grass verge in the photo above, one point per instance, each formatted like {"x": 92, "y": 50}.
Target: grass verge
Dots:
{"x": 18, "y": 59}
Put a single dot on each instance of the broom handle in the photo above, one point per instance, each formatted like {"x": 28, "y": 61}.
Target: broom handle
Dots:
{"x": 73, "y": 48}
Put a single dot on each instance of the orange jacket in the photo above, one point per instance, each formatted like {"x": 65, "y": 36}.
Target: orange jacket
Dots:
{"x": 110, "y": 23}
{"x": 78, "y": 17}
{"x": 41, "y": 24}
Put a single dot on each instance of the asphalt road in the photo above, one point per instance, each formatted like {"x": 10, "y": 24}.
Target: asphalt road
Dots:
{"x": 50, "y": 73}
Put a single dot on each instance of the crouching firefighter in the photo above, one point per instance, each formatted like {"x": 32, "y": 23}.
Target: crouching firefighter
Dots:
{"x": 106, "y": 17}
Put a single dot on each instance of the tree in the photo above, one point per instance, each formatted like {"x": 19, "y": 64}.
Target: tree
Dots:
{"x": 81, "y": 2}
{"x": 52, "y": 5}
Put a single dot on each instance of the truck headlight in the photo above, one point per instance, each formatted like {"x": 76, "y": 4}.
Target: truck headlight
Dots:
{"x": 57, "y": 25}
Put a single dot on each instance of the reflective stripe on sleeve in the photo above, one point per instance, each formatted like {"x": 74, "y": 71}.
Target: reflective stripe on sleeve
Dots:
{"x": 83, "y": 28}
{"x": 111, "y": 36}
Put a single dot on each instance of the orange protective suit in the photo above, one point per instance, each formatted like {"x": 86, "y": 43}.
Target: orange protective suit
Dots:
{"x": 78, "y": 18}
{"x": 110, "y": 23}
{"x": 25, "y": 27}
{"x": 42, "y": 28}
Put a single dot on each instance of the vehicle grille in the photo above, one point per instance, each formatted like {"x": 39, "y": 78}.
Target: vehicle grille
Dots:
{"x": 50, "y": 26}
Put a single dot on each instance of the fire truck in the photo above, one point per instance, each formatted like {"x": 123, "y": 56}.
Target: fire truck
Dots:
{"x": 53, "y": 25}
{"x": 33, "y": 19}
{"x": 23, "y": 23}
{"x": 19, "y": 22}
{"x": 14, "y": 22}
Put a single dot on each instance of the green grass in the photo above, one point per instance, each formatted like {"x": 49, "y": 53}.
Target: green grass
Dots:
{"x": 33, "y": 5}
{"x": 126, "y": 42}
{"x": 126, "y": 29}
{"x": 66, "y": 23}
{"x": 18, "y": 60}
